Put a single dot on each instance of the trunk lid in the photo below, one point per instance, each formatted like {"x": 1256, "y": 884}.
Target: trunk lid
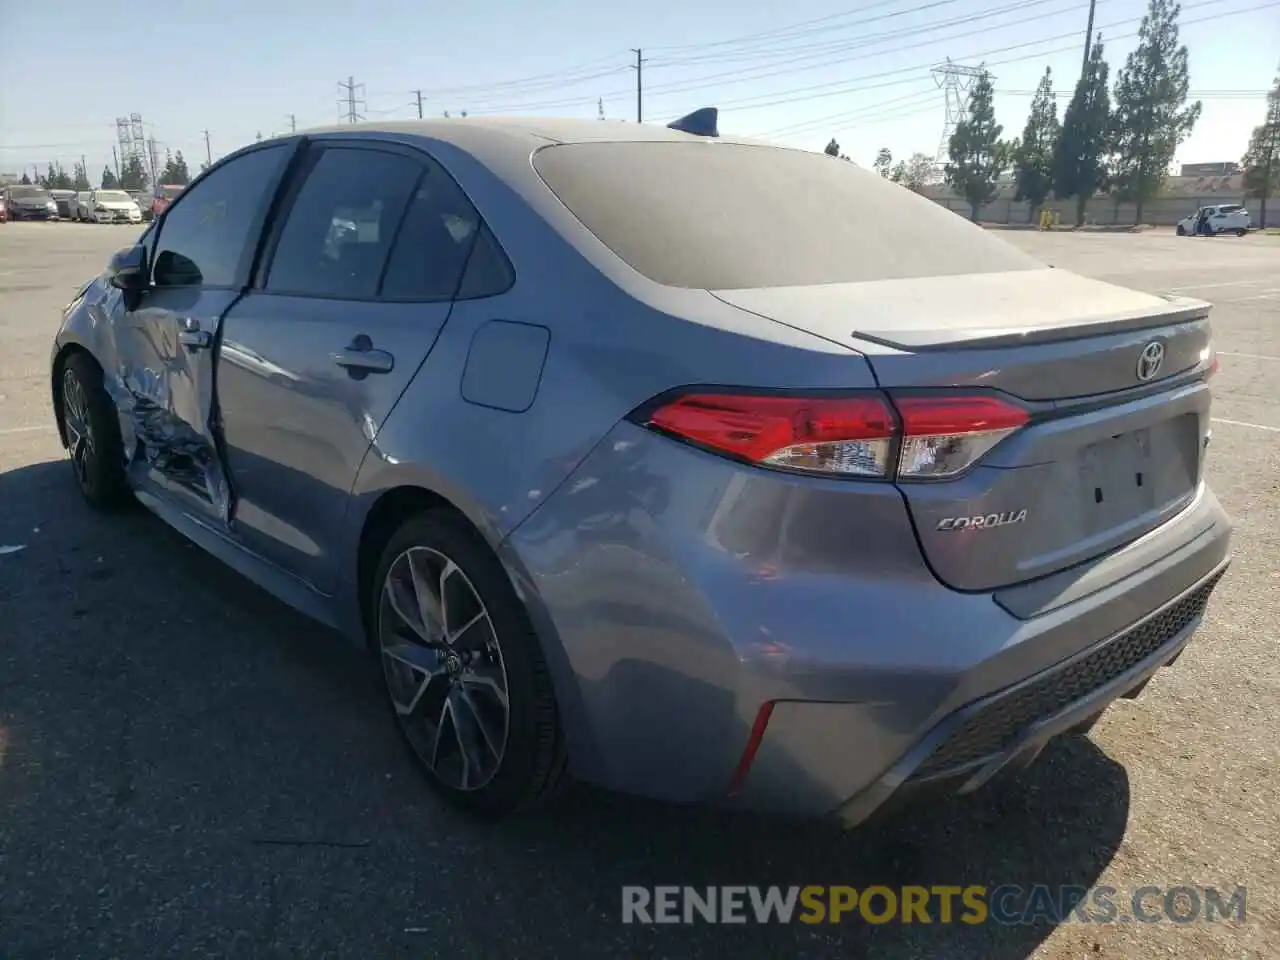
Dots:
{"x": 1108, "y": 455}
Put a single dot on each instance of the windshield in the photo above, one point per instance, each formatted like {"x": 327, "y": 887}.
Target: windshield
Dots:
{"x": 24, "y": 192}
{"x": 113, "y": 196}
{"x": 720, "y": 216}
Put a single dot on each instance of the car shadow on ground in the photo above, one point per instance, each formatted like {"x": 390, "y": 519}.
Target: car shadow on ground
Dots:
{"x": 232, "y": 770}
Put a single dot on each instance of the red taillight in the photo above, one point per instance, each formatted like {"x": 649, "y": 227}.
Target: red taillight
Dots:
{"x": 936, "y": 435}
{"x": 754, "y": 740}
{"x": 845, "y": 435}
{"x": 944, "y": 436}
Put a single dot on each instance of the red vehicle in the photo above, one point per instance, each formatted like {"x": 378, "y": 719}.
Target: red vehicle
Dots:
{"x": 164, "y": 195}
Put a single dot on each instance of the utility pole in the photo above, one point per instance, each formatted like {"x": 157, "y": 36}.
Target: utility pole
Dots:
{"x": 208, "y": 152}
{"x": 1088, "y": 38}
{"x": 638, "y": 67}
{"x": 115, "y": 161}
{"x": 418, "y": 94}
{"x": 353, "y": 116}
{"x": 151, "y": 155}
{"x": 293, "y": 123}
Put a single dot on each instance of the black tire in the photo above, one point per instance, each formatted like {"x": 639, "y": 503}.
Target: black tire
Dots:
{"x": 1181, "y": 231}
{"x": 97, "y": 455}
{"x": 533, "y": 758}
{"x": 1241, "y": 232}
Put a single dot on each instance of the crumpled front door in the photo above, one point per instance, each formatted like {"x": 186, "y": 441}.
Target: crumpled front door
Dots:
{"x": 167, "y": 350}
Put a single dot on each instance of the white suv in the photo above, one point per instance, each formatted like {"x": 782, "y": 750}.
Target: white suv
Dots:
{"x": 1211, "y": 221}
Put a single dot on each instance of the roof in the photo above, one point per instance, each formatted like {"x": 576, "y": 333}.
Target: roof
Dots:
{"x": 480, "y": 135}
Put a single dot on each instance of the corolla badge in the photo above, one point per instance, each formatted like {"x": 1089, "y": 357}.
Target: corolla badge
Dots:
{"x": 1150, "y": 360}
{"x": 988, "y": 522}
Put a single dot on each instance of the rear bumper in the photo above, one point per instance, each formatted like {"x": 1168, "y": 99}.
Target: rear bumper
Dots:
{"x": 677, "y": 594}
{"x": 1009, "y": 729}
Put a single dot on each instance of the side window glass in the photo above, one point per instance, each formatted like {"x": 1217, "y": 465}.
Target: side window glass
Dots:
{"x": 489, "y": 271}
{"x": 433, "y": 244}
{"x": 202, "y": 239}
{"x": 340, "y": 227}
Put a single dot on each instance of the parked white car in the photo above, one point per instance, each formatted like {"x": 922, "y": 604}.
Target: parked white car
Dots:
{"x": 108, "y": 206}
{"x": 1211, "y": 221}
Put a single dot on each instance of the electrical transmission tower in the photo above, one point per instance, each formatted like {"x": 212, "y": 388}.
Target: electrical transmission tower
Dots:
{"x": 956, "y": 81}
{"x": 132, "y": 138}
{"x": 351, "y": 101}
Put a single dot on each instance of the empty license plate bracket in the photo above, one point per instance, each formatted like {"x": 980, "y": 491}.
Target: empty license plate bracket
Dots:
{"x": 1117, "y": 478}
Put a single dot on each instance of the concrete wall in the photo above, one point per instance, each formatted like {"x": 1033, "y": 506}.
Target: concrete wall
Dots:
{"x": 1164, "y": 211}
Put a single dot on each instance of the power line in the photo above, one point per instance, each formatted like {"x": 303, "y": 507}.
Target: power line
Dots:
{"x": 782, "y": 31}
{"x": 896, "y": 103}
{"x": 747, "y": 74}
{"x": 567, "y": 77}
{"x": 744, "y": 74}
{"x": 587, "y": 71}
{"x": 827, "y": 48}
{"x": 842, "y": 87}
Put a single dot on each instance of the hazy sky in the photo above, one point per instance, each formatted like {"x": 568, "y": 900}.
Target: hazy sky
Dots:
{"x": 800, "y": 72}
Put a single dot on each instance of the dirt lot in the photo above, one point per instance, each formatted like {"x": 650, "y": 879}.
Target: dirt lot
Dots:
{"x": 188, "y": 768}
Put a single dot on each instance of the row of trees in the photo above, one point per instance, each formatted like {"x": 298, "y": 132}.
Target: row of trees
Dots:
{"x": 1125, "y": 149}
{"x": 133, "y": 176}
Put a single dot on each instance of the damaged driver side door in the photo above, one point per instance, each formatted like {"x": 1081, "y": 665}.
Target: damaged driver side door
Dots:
{"x": 201, "y": 256}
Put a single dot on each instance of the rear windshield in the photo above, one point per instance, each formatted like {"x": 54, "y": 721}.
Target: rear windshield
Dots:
{"x": 25, "y": 192}
{"x": 722, "y": 216}
{"x": 1229, "y": 208}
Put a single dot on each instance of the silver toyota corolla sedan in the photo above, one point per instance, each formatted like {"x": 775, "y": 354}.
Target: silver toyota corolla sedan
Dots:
{"x": 688, "y": 465}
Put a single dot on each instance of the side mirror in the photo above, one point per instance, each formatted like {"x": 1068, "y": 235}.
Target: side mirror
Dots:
{"x": 128, "y": 268}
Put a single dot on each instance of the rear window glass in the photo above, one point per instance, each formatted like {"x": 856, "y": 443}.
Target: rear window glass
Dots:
{"x": 725, "y": 216}
{"x": 1229, "y": 208}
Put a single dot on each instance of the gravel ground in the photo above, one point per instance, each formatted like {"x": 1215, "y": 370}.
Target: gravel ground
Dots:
{"x": 187, "y": 768}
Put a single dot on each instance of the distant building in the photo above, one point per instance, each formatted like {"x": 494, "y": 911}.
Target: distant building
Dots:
{"x": 1224, "y": 169}
{"x": 10, "y": 178}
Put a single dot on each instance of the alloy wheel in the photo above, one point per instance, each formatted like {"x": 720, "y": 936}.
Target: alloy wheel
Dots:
{"x": 444, "y": 668}
{"x": 75, "y": 417}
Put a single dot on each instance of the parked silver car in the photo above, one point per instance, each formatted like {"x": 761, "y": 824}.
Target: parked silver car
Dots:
{"x": 633, "y": 451}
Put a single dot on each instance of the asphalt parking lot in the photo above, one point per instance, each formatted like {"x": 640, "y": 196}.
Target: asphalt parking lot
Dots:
{"x": 187, "y": 768}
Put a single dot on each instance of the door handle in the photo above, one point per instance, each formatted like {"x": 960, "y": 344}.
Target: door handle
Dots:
{"x": 361, "y": 358}
{"x": 192, "y": 336}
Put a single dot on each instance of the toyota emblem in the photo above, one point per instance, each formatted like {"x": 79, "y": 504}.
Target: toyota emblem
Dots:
{"x": 1150, "y": 360}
